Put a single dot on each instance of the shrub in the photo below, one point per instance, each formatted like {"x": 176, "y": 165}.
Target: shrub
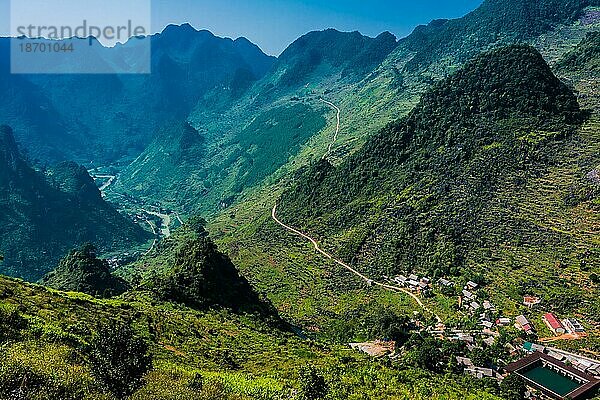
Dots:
{"x": 42, "y": 373}
{"x": 119, "y": 359}
{"x": 11, "y": 323}
{"x": 312, "y": 384}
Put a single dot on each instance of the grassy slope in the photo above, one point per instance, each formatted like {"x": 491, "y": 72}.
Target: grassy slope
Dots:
{"x": 239, "y": 357}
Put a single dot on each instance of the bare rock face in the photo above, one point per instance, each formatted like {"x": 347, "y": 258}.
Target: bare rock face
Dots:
{"x": 594, "y": 176}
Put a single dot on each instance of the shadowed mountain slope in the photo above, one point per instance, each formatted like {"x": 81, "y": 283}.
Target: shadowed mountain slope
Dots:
{"x": 46, "y": 214}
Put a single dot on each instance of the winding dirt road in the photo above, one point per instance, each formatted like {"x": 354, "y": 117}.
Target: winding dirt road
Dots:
{"x": 362, "y": 276}
{"x": 337, "y": 128}
{"x": 106, "y": 185}
{"x": 165, "y": 224}
{"x": 155, "y": 240}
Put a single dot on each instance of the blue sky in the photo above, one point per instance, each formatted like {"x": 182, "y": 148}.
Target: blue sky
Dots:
{"x": 274, "y": 24}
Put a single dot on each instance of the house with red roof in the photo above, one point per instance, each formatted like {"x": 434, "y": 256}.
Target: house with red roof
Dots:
{"x": 554, "y": 324}
{"x": 523, "y": 323}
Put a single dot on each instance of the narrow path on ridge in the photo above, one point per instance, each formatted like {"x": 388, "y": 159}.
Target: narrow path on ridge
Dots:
{"x": 362, "y": 276}
{"x": 337, "y": 128}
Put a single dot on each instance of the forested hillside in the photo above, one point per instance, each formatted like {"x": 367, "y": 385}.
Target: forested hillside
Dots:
{"x": 187, "y": 268}
{"x": 585, "y": 57}
{"x": 501, "y": 115}
{"x": 249, "y": 139}
{"x": 46, "y": 214}
{"x": 194, "y": 170}
{"x": 494, "y": 22}
{"x": 450, "y": 189}
{"x": 433, "y": 51}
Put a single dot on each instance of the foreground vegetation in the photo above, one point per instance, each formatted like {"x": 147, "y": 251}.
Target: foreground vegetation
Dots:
{"x": 57, "y": 345}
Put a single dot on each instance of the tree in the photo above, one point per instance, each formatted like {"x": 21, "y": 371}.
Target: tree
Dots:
{"x": 425, "y": 353}
{"x": 385, "y": 324}
{"x": 481, "y": 357}
{"x": 312, "y": 384}
{"x": 512, "y": 388}
{"x": 202, "y": 277}
{"x": 118, "y": 359}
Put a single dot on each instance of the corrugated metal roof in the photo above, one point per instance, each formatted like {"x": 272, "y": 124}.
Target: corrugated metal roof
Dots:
{"x": 553, "y": 321}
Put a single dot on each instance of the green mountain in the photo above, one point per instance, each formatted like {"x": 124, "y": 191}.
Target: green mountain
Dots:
{"x": 434, "y": 172}
{"x": 248, "y": 139}
{"x": 467, "y": 185}
{"x": 81, "y": 271}
{"x": 45, "y": 214}
{"x": 495, "y": 22}
{"x": 320, "y": 53}
{"x": 187, "y": 268}
{"x": 53, "y": 118}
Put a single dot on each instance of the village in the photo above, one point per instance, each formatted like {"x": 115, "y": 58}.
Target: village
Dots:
{"x": 151, "y": 216}
{"x": 540, "y": 365}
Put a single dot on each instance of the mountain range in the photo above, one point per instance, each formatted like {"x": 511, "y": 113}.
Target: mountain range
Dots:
{"x": 464, "y": 156}
{"x": 53, "y": 119}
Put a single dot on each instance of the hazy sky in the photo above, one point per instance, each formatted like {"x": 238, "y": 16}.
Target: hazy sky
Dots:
{"x": 274, "y": 24}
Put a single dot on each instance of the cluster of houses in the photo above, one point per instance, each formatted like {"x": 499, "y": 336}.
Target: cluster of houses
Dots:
{"x": 123, "y": 259}
{"x": 139, "y": 217}
{"x": 487, "y": 336}
{"x": 469, "y": 301}
{"x": 114, "y": 262}
{"x": 421, "y": 285}
{"x": 413, "y": 283}
{"x": 558, "y": 327}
